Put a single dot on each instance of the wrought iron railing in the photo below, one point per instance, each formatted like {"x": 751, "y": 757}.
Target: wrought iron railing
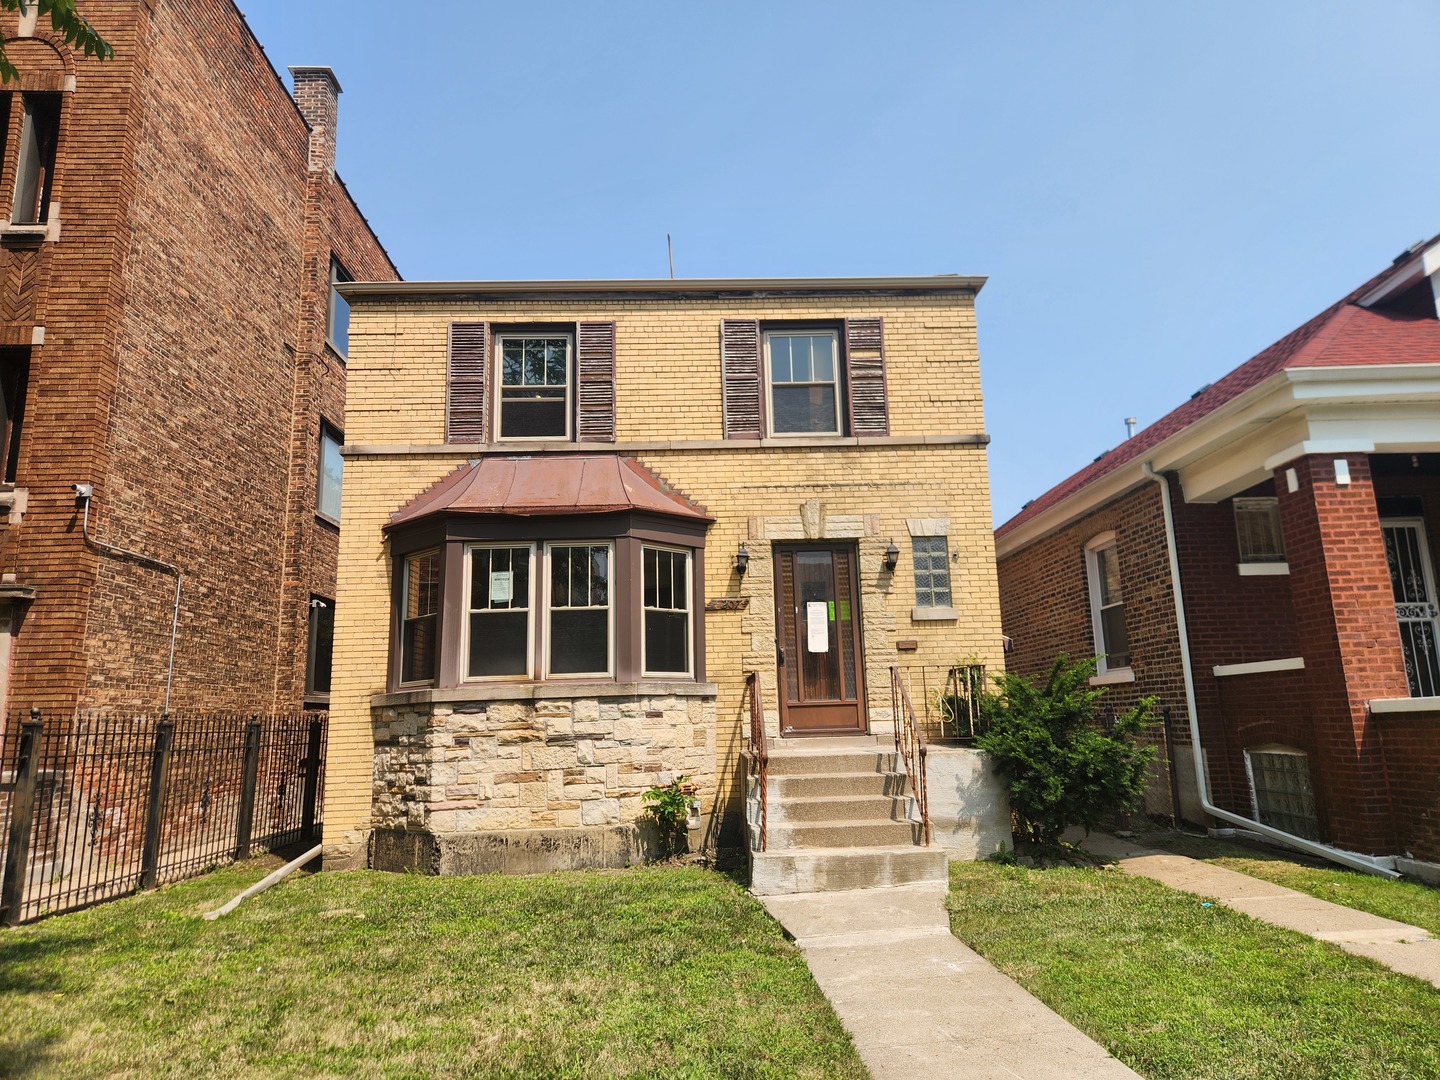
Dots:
{"x": 96, "y": 806}
{"x": 758, "y": 750}
{"x": 947, "y": 699}
{"x": 910, "y": 745}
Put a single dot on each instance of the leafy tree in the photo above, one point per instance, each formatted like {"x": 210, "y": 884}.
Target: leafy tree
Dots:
{"x": 1061, "y": 767}
{"x": 66, "y": 21}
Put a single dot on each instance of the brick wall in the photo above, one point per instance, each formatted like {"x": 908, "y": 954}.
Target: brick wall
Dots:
{"x": 181, "y": 373}
{"x": 1045, "y": 610}
{"x": 1411, "y": 748}
{"x": 667, "y": 395}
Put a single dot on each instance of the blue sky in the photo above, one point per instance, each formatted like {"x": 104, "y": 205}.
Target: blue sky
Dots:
{"x": 1155, "y": 190}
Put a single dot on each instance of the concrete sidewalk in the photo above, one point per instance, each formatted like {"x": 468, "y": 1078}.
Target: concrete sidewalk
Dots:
{"x": 921, "y": 1005}
{"x": 1404, "y": 948}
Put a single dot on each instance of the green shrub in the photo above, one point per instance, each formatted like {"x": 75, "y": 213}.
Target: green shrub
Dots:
{"x": 669, "y": 807}
{"x": 1061, "y": 767}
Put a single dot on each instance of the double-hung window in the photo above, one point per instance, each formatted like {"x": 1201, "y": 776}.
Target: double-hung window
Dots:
{"x": 666, "y": 603}
{"x": 331, "y": 470}
{"x": 579, "y": 629}
{"x": 1107, "y": 604}
{"x": 499, "y": 630}
{"x": 337, "y": 312}
{"x": 536, "y": 385}
{"x": 803, "y": 377}
{"x": 35, "y": 163}
{"x": 420, "y": 615}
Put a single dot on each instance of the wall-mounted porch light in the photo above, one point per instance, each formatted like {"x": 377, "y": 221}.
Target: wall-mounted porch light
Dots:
{"x": 892, "y": 557}
{"x": 742, "y": 560}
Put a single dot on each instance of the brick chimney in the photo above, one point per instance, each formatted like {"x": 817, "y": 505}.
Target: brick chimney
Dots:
{"x": 316, "y": 94}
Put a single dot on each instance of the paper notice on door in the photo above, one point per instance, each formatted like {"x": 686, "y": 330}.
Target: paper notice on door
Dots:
{"x": 501, "y": 586}
{"x": 817, "y": 623}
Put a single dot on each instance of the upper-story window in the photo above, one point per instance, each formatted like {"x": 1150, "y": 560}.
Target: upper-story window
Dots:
{"x": 14, "y": 374}
{"x": 1107, "y": 604}
{"x": 35, "y": 161}
{"x": 337, "y": 313}
{"x": 1257, "y": 530}
{"x": 331, "y": 467}
{"x": 535, "y": 385}
{"x": 803, "y": 376}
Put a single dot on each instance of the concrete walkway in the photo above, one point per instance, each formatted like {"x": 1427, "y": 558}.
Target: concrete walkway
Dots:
{"x": 921, "y": 1005}
{"x": 1407, "y": 949}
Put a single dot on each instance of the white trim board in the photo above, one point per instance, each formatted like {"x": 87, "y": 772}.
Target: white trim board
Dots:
{"x": 1404, "y": 704}
{"x": 1259, "y": 667}
{"x": 1262, "y": 569}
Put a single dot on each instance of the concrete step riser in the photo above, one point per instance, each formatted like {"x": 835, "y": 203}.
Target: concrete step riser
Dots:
{"x": 809, "y": 764}
{"x": 801, "y": 787}
{"x": 851, "y": 834}
{"x": 778, "y": 873}
{"x": 876, "y": 808}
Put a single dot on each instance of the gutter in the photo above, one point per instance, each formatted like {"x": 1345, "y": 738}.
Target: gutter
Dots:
{"x": 933, "y": 283}
{"x": 1364, "y": 863}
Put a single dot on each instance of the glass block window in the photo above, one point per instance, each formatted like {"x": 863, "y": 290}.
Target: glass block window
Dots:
{"x": 1280, "y": 789}
{"x": 931, "y": 556}
{"x": 1257, "y": 528}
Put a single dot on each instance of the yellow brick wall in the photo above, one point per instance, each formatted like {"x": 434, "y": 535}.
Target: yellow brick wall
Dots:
{"x": 668, "y": 388}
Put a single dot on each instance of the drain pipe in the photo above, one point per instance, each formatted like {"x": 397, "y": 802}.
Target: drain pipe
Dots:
{"x": 83, "y": 494}
{"x": 1354, "y": 861}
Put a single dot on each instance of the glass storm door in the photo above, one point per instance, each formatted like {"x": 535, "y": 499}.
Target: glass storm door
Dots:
{"x": 817, "y": 620}
{"x": 1413, "y": 580}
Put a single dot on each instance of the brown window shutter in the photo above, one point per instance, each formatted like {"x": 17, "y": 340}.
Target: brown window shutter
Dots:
{"x": 595, "y": 385}
{"x": 740, "y": 378}
{"x": 465, "y": 379}
{"x": 865, "y": 370}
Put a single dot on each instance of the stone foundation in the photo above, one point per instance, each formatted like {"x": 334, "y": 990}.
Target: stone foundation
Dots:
{"x": 501, "y": 779}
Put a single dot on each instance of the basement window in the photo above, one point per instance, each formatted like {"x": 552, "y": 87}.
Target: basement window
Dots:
{"x": 35, "y": 165}
{"x": 1280, "y": 790}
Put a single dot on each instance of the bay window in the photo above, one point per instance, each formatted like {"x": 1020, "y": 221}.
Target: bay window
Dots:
{"x": 666, "y": 603}
{"x": 420, "y": 600}
{"x": 579, "y": 609}
{"x": 498, "y": 628}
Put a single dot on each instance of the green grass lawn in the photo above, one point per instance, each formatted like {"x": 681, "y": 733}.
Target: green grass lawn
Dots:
{"x": 1406, "y": 901}
{"x": 1176, "y": 988}
{"x": 647, "y": 972}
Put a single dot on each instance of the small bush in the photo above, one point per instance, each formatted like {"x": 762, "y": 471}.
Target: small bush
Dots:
{"x": 669, "y": 807}
{"x": 1061, "y": 768}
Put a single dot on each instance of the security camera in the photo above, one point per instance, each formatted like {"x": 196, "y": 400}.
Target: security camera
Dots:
{"x": 83, "y": 491}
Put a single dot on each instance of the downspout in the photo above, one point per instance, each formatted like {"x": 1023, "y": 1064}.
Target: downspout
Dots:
{"x": 83, "y": 494}
{"x": 1363, "y": 863}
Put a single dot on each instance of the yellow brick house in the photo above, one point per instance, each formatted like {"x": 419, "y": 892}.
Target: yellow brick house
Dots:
{"x": 578, "y": 515}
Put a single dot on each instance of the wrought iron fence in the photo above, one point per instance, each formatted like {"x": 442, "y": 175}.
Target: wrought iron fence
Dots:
{"x": 95, "y": 806}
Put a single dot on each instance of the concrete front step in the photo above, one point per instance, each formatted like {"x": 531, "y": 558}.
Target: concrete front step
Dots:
{"x": 809, "y": 762}
{"x": 846, "y": 834}
{"x": 800, "y": 870}
{"x": 839, "y": 808}
{"x": 819, "y": 785}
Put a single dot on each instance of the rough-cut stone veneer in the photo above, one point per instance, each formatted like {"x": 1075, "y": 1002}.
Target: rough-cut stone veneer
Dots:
{"x": 496, "y": 765}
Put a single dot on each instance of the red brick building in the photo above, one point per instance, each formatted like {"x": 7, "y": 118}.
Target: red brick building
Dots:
{"x": 1296, "y": 502}
{"x": 170, "y": 224}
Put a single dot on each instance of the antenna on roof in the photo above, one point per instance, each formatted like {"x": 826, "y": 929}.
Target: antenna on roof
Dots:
{"x": 670, "y": 251}
{"x": 1130, "y": 422}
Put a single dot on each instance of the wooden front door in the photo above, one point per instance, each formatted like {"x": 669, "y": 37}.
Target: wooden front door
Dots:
{"x": 817, "y": 621}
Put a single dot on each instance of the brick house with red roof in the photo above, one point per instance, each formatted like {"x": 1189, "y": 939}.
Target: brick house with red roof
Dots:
{"x": 1261, "y": 560}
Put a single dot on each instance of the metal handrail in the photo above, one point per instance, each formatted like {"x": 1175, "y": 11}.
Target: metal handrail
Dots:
{"x": 758, "y": 750}
{"x": 910, "y": 745}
